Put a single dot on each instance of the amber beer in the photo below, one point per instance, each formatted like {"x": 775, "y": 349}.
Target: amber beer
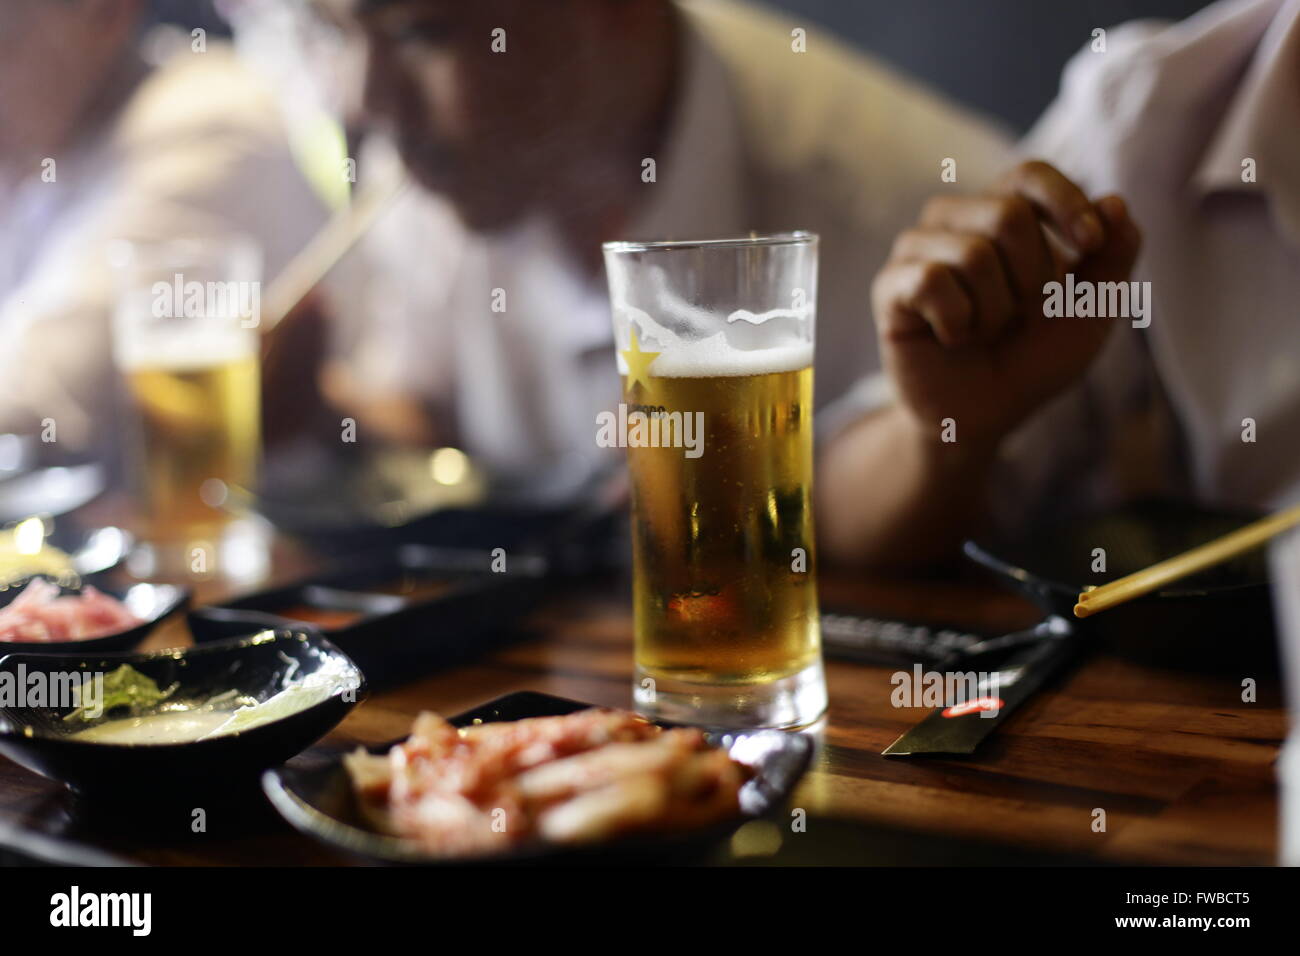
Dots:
{"x": 724, "y": 590}
{"x": 718, "y": 333}
{"x": 198, "y": 419}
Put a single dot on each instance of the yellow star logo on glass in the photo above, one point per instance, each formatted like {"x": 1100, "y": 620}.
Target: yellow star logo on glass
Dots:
{"x": 638, "y": 365}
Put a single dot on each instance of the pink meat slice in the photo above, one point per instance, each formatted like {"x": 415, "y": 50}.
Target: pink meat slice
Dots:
{"x": 41, "y": 613}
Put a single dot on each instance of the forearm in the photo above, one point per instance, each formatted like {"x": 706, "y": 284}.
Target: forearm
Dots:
{"x": 891, "y": 495}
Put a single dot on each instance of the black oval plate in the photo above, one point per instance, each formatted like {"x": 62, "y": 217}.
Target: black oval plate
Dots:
{"x": 153, "y": 603}
{"x": 257, "y": 665}
{"x": 318, "y": 801}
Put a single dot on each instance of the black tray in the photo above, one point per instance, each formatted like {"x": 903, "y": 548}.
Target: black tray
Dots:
{"x": 393, "y": 637}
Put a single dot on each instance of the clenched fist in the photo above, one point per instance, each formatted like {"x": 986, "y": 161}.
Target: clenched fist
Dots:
{"x": 959, "y": 304}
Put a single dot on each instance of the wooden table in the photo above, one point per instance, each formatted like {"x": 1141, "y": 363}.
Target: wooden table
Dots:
{"x": 1182, "y": 767}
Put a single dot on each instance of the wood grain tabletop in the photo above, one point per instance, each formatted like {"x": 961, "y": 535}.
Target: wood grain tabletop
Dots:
{"x": 1182, "y": 767}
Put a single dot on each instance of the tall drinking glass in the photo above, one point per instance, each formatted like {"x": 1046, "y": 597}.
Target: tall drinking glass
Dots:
{"x": 715, "y": 347}
{"x": 186, "y": 344}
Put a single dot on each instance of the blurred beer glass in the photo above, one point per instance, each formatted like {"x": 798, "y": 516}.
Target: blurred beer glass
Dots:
{"x": 718, "y": 335}
{"x": 186, "y": 344}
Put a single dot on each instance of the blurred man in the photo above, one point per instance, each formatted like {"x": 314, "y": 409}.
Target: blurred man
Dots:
{"x": 1002, "y": 404}
{"x": 536, "y": 130}
{"x": 96, "y": 144}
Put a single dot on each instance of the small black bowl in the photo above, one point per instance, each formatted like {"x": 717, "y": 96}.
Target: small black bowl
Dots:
{"x": 1220, "y": 617}
{"x": 152, "y": 603}
{"x": 258, "y": 666}
{"x": 318, "y": 801}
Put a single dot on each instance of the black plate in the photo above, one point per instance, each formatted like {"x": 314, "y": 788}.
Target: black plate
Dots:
{"x": 51, "y": 490}
{"x": 153, "y": 603}
{"x": 319, "y": 803}
{"x": 38, "y": 738}
{"x": 368, "y": 503}
{"x": 1222, "y": 614}
{"x": 362, "y": 500}
{"x": 395, "y": 637}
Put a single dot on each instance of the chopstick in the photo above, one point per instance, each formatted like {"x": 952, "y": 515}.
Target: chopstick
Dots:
{"x": 1189, "y": 562}
{"x": 305, "y": 271}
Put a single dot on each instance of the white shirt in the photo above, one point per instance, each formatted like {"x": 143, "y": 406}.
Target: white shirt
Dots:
{"x": 1165, "y": 118}
{"x": 196, "y": 149}
{"x": 763, "y": 138}
{"x": 1284, "y": 564}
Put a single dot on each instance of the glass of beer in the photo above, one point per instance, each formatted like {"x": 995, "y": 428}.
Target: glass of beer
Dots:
{"x": 185, "y": 341}
{"x": 714, "y": 343}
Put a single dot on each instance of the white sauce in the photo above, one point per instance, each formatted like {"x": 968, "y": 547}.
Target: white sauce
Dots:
{"x": 176, "y": 727}
{"x": 187, "y": 726}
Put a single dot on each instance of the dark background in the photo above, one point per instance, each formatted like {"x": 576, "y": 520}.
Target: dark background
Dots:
{"x": 1000, "y": 56}
{"x": 1003, "y": 57}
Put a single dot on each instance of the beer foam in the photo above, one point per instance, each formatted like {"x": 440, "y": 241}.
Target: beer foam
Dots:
{"x": 183, "y": 351}
{"x": 758, "y": 318}
{"x": 715, "y": 357}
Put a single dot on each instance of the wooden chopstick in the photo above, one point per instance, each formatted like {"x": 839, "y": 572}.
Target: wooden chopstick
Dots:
{"x": 305, "y": 271}
{"x": 1189, "y": 562}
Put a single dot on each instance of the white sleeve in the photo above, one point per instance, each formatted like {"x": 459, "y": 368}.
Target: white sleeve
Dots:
{"x": 1107, "y": 438}
{"x": 1083, "y": 127}
{"x": 1284, "y": 564}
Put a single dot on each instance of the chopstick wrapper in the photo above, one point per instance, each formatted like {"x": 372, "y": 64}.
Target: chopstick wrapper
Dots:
{"x": 960, "y": 727}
